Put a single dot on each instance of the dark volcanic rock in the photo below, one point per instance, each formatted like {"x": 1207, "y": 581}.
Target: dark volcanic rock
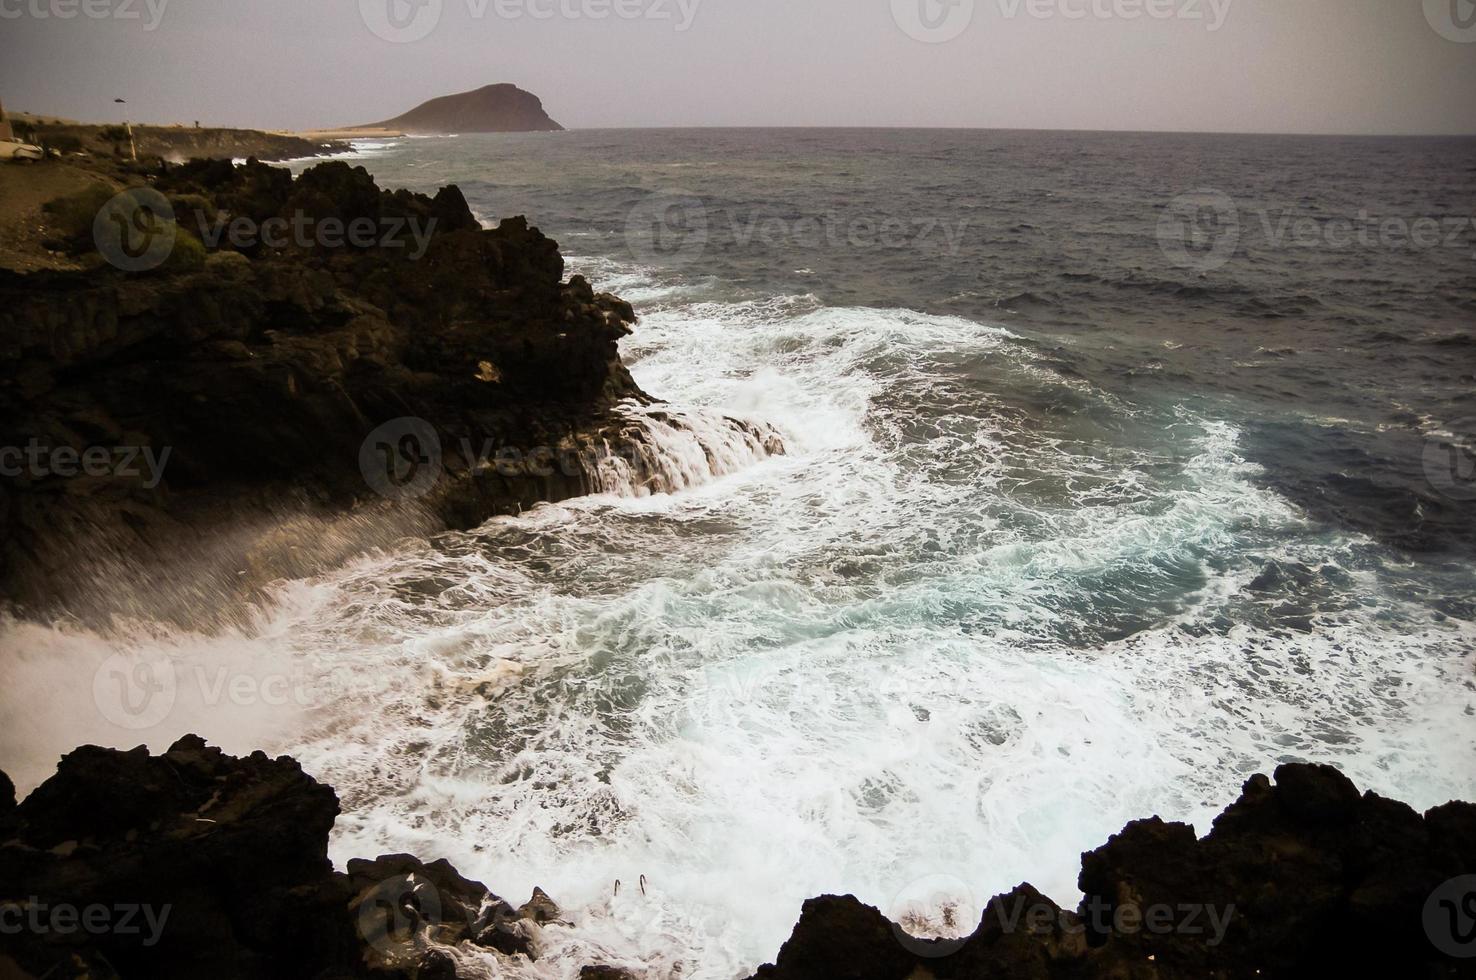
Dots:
{"x": 269, "y": 376}
{"x": 500, "y": 108}
{"x": 403, "y": 907}
{"x": 841, "y": 938}
{"x": 605, "y": 973}
{"x": 1302, "y": 878}
{"x": 221, "y": 867}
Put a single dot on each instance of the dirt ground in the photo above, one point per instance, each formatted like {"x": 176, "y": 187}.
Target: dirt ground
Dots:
{"x": 24, "y": 188}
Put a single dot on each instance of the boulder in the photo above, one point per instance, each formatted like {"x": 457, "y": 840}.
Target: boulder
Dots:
{"x": 1301, "y": 877}
{"x": 194, "y": 863}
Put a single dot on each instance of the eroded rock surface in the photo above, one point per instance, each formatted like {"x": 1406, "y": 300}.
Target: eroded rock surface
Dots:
{"x": 196, "y": 864}
{"x": 1304, "y": 877}
{"x": 220, "y": 865}
{"x": 269, "y": 371}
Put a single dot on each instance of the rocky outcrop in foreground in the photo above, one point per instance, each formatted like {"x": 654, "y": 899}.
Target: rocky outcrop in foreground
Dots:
{"x": 304, "y": 368}
{"x": 193, "y": 864}
{"x": 1301, "y": 878}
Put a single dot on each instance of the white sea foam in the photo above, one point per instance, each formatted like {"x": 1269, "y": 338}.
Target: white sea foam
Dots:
{"x": 677, "y": 450}
{"x": 880, "y": 661}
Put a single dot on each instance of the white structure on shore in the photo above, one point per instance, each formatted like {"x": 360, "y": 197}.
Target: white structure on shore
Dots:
{"x": 14, "y": 149}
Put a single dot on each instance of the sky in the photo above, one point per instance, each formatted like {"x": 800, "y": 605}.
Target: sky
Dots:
{"x": 1301, "y": 66}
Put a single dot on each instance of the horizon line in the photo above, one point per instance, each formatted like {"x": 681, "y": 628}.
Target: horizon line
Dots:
{"x": 1030, "y": 129}
{"x": 809, "y": 126}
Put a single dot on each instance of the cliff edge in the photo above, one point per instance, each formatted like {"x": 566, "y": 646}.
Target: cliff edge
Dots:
{"x": 251, "y": 377}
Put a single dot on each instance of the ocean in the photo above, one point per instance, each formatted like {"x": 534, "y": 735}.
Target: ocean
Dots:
{"x": 1120, "y": 467}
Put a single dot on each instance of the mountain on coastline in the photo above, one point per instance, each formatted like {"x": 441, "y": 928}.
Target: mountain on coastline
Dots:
{"x": 500, "y": 108}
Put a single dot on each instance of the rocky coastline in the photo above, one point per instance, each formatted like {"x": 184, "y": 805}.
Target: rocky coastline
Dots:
{"x": 1298, "y": 878}
{"x": 195, "y": 864}
{"x": 283, "y": 372}
{"x": 220, "y": 866}
{"x": 265, "y": 391}
{"x": 175, "y": 143}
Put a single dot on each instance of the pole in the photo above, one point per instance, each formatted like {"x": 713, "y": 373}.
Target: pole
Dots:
{"x": 132, "y": 146}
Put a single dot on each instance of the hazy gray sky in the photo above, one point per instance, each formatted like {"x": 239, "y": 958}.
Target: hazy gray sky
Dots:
{"x": 1340, "y": 66}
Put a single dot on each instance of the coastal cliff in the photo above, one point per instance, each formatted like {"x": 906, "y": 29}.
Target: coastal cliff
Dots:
{"x": 221, "y": 865}
{"x": 276, "y": 392}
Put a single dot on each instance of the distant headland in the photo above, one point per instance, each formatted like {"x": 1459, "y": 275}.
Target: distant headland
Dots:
{"x": 502, "y": 108}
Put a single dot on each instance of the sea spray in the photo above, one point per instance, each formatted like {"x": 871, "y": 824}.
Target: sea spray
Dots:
{"x": 1019, "y": 577}
{"x": 673, "y": 450}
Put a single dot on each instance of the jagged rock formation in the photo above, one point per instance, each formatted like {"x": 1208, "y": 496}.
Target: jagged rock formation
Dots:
{"x": 1298, "y": 879}
{"x": 198, "y": 864}
{"x": 502, "y": 108}
{"x": 267, "y": 369}
{"x": 224, "y": 864}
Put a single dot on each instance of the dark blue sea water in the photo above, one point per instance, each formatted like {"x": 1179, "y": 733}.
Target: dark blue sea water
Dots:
{"x": 1320, "y": 292}
{"x": 1121, "y": 467}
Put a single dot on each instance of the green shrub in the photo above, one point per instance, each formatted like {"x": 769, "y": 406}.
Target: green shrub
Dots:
{"x": 70, "y": 218}
{"x": 114, "y": 134}
{"x": 188, "y": 254}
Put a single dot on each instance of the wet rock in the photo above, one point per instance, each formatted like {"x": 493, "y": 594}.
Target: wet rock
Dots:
{"x": 217, "y": 861}
{"x": 540, "y": 908}
{"x": 606, "y": 973}
{"x": 221, "y": 866}
{"x": 265, "y": 373}
{"x": 404, "y": 907}
{"x": 841, "y": 939}
{"x": 224, "y": 864}
{"x": 1300, "y": 877}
